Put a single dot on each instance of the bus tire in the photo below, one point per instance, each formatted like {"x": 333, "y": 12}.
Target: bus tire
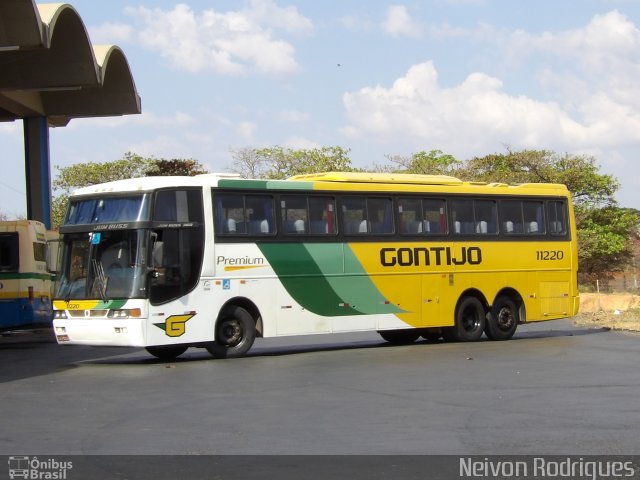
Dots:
{"x": 167, "y": 352}
{"x": 400, "y": 337}
{"x": 470, "y": 320}
{"x": 504, "y": 318}
{"x": 234, "y": 334}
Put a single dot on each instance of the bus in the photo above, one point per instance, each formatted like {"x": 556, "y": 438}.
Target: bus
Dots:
{"x": 27, "y": 259}
{"x": 214, "y": 261}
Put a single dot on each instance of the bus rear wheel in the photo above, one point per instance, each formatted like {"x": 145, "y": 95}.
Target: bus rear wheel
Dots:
{"x": 400, "y": 337}
{"x": 503, "y": 320}
{"x": 469, "y": 321}
{"x": 167, "y": 352}
{"x": 235, "y": 333}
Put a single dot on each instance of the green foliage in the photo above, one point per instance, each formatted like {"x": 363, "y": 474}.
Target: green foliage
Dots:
{"x": 131, "y": 165}
{"x": 79, "y": 175}
{"x": 604, "y": 229}
{"x": 176, "y": 166}
{"x": 578, "y": 172}
{"x": 604, "y": 238}
{"x": 434, "y": 162}
{"x": 280, "y": 163}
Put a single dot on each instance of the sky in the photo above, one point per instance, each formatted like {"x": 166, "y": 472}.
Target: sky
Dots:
{"x": 468, "y": 77}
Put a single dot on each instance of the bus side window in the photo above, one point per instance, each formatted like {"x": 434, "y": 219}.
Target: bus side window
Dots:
{"x": 410, "y": 216}
{"x": 380, "y": 213}
{"x": 322, "y": 215}
{"x": 486, "y": 217}
{"x": 9, "y": 252}
{"x": 511, "y": 222}
{"x": 533, "y": 214}
{"x": 294, "y": 216}
{"x": 259, "y": 214}
{"x": 229, "y": 214}
{"x": 462, "y": 217}
{"x": 557, "y": 213}
{"x": 354, "y": 216}
{"x": 434, "y": 221}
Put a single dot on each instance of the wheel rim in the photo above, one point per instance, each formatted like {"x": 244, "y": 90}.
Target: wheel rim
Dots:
{"x": 231, "y": 332}
{"x": 505, "y": 319}
{"x": 470, "y": 319}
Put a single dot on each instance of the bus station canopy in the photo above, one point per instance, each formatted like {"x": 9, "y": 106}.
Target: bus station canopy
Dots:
{"x": 49, "y": 68}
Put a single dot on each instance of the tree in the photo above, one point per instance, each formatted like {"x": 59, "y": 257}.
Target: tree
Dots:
{"x": 131, "y": 165}
{"x": 248, "y": 163}
{"x": 434, "y": 162}
{"x": 161, "y": 167}
{"x": 280, "y": 163}
{"x": 604, "y": 229}
{"x": 579, "y": 173}
{"x": 604, "y": 238}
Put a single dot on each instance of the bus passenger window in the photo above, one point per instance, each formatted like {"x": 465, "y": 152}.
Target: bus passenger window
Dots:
{"x": 354, "y": 216}
{"x": 410, "y": 216}
{"x": 462, "y": 216}
{"x": 9, "y": 243}
{"x": 533, "y": 217}
{"x": 259, "y": 214}
{"x": 434, "y": 221}
{"x": 511, "y": 217}
{"x": 486, "y": 217}
{"x": 381, "y": 216}
{"x": 557, "y": 212}
{"x": 322, "y": 215}
{"x": 294, "y": 214}
{"x": 229, "y": 212}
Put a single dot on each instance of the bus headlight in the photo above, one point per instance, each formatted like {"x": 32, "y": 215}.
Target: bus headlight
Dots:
{"x": 125, "y": 313}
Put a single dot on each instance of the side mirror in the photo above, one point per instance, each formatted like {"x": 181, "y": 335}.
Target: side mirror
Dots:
{"x": 53, "y": 246}
{"x": 157, "y": 255}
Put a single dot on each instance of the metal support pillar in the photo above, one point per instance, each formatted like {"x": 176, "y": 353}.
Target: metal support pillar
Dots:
{"x": 37, "y": 169}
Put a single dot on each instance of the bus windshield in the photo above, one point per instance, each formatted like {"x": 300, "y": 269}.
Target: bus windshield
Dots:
{"x": 109, "y": 209}
{"x": 103, "y": 265}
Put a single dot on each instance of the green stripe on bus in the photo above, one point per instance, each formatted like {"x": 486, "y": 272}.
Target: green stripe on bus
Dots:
{"x": 26, "y": 276}
{"x": 309, "y": 276}
{"x": 265, "y": 184}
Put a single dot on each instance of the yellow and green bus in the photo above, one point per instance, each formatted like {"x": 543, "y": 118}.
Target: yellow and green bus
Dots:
{"x": 215, "y": 261}
{"x": 27, "y": 257}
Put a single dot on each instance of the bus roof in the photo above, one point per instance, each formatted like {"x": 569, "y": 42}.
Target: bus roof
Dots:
{"x": 365, "y": 177}
{"x": 342, "y": 181}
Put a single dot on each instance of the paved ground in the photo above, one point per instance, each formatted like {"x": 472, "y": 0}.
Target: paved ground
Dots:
{"x": 553, "y": 389}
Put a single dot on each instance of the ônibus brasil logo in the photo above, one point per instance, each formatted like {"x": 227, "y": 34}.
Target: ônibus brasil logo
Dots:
{"x": 34, "y": 468}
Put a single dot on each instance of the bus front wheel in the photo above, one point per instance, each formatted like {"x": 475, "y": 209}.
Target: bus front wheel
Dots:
{"x": 503, "y": 321}
{"x": 469, "y": 321}
{"x": 234, "y": 334}
{"x": 167, "y": 352}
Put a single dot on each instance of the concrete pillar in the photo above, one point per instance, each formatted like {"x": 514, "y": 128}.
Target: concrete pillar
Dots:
{"x": 37, "y": 169}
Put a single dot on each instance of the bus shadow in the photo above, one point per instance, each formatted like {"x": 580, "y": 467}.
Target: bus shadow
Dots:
{"x": 33, "y": 353}
{"x": 260, "y": 351}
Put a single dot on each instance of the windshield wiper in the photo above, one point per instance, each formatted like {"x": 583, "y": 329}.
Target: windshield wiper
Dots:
{"x": 99, "y": 278}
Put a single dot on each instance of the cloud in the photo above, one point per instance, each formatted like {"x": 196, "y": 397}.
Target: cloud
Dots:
{"x": 230, "y": 43}
{"x": 398, "y": 23}
{"x": 292, "y": 116}
{"x": 110, "y": 33}
{"x": 589, "y": 100}
{"x": 11, "y": 128}
{"x": 247, "y": 130}
{"x": 147, "y": 118}
{"x": 477, "y": 115}
{"x": 297, "y": 142}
